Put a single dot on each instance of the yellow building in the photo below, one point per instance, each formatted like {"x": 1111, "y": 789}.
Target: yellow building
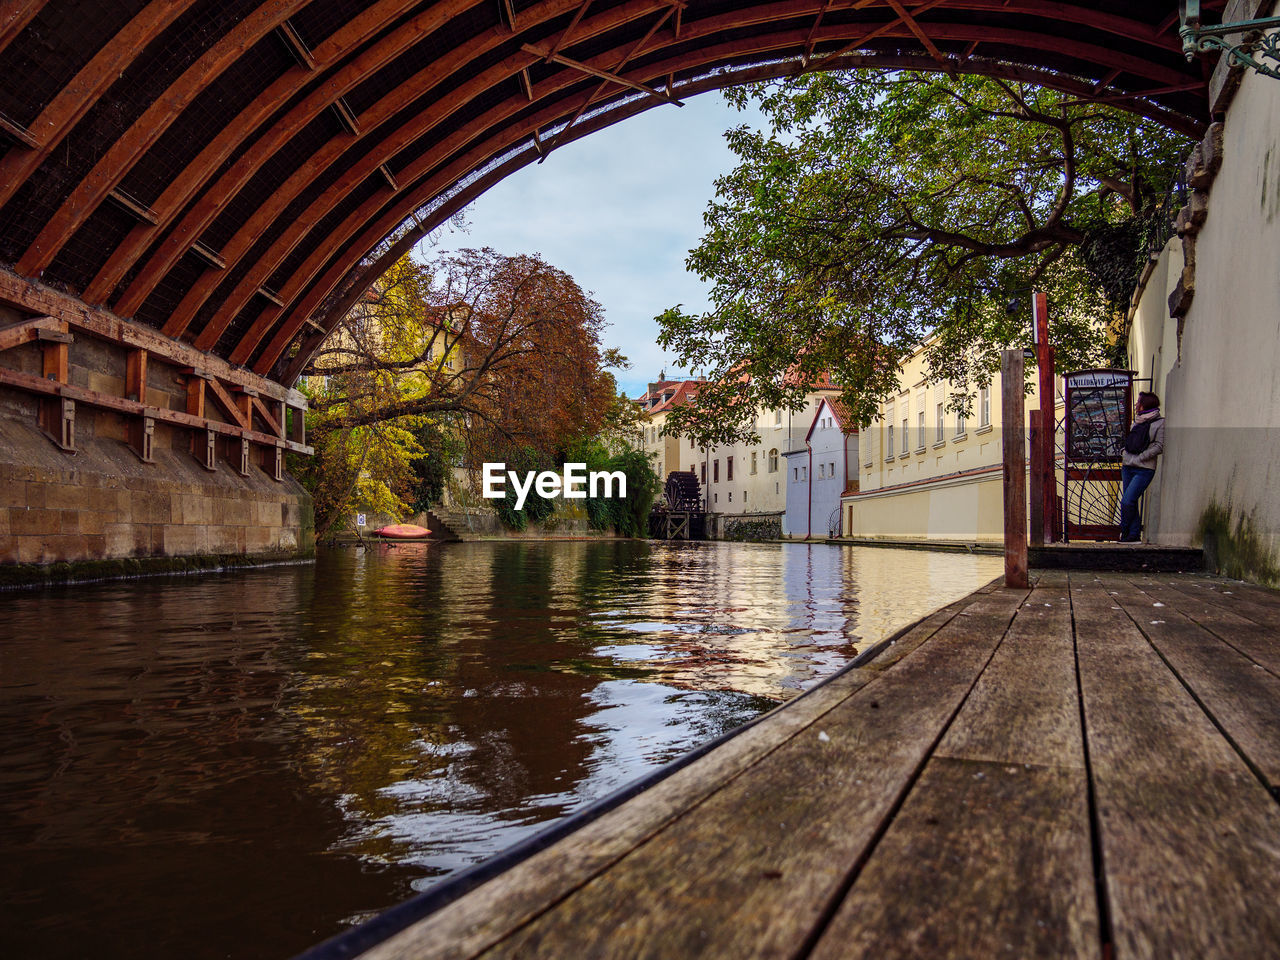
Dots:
{"x": 658, "y": 401}
{"x": 740, "y": 478}
{"x": 927, "y": 473}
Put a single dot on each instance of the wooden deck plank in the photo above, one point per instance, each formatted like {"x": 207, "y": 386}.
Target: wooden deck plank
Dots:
{"x": 993, "y": 860}
{"x": 1187, "y": 832}
{"x": 753, "y": 869}
{"x": 1250, "y": 628}
{"x": 1238, "y": 694}
{"x": 991, "y": 855}
{"x": 483, "y": 917}
{"x": 1257, "y": 604}
{"x": 1255, "y": 637}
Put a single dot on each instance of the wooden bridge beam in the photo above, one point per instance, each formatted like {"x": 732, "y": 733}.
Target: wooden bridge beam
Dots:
{"x": 79, "y": 96}
{"x": 196, "y": 175}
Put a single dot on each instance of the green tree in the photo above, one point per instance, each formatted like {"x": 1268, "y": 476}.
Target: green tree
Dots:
{"x": 881, "y": 211}
{"x": 474, "y": 356}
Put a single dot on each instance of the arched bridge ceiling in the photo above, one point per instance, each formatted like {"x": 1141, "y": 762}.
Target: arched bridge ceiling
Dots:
{"x": 219, "y": 168}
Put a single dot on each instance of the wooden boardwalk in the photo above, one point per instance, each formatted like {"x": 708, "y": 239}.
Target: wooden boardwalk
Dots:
{"x": 1086, "y": 769}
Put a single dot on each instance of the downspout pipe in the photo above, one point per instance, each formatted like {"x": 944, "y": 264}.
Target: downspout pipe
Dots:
{"x": 844, "y": 483}
{"x": 808, "y": 529}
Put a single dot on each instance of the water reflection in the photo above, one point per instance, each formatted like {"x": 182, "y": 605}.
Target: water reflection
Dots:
{"x": 236, "y": 765}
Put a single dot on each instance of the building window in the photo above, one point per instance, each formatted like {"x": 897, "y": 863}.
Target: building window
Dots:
{"x": 731, "y": 496}
{"x": 773, "y": 460}
{"x": 941, "y": 429}
{"x": 704, "y": 472}
{"x": 728, "y": 468}
{"x": 804, "y": 473}
{"x": 920, "y": 424}
{"x": 715, "y": 471}
{"x": 795, "y": 474}
{"x": 959, "y": 424}
{"x": 715, "y": 498}
{"x": 905, "y": 436}
{"x": 777, "y": 418}
{"x": 821, "y": 468}
{"x": 831, "y": 469}
{"x": 744, "y": 496}
{"x": 888, "y": 450}
{"x": 984, "y": 406}
{"x": 754, "y": 464}
{"x": 775, "y": 487}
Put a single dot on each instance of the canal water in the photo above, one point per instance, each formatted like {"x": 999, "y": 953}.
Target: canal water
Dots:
{"x": 243, "y": 764}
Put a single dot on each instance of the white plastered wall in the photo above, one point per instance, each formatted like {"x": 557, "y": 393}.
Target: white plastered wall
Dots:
{"x": 1222, "y": 397}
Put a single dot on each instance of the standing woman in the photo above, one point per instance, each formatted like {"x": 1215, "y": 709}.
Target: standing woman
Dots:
{"x": 1142, "y": 446}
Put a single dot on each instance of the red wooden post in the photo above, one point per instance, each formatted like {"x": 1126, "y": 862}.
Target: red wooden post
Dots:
{"x": 1042, "y": 460}
{"x": 1015, "y": 466}
{"x": 1036, "y": 480}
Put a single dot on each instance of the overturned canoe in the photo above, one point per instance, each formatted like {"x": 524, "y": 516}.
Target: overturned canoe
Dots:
{"x": 403, "y": 531}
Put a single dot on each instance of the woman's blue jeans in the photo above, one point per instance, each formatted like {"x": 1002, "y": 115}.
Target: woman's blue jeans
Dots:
{"x": 1134, "y": 482}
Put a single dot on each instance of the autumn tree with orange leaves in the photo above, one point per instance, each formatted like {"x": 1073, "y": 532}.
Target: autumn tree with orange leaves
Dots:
{"x": 493, "y": 353}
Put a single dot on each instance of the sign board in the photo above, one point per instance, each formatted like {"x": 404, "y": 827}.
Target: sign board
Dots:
{"x": 360, "y": 520}
{"x": 1097, "y": 414}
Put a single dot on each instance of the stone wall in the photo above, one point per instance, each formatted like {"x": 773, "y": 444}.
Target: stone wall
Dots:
{"x": 102, "y": 502}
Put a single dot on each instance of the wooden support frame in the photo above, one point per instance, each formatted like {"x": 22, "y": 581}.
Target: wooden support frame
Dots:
{"x": 1044, "y": 493}
{"x": 508, "y": 15}
{"x": 59, "y": 310}
{"x": 141, "y": 434}
{"x": 905, "y": 16}
{"x": 119, "y": 158}
{"x": 297, "y": 427}
{"x": 190, "y": 83}
{"x": 561, "y": 40}
{"x": 135, "y": 379}
{"x": 18, "y": 133}
{"x": 272, "y": 420}
{"x": 695, "y": 27}
{"x": 408, "y": 174}
{"x": 235, "y": 302}
{"x": 78, "y": 97}
{"x": 597, "y": 72}
{"x": 136, "y": 208}
{"x": 94, "y": 398}
{"x": 1013, "y": 420}
{"x": 25, "y": 331}
{"x": 238, "y": 454}
{"x": 208, "y": 255}
{"x": 296, "y": 46}
{"x": 346, "y": 117}
{"x": 1036, "y": 481}
{"x": 273, "y": 462}
{"x": 372, "y": 220}
{"x": 187, "y": 185}
{"x": 226, "y": 402}
{"x": 207, "y": 452}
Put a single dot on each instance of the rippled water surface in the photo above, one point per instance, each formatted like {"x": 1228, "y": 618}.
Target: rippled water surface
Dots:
{"x": 242, "y": 764}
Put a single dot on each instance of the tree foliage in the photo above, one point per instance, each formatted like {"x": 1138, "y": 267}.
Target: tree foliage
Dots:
{"x": 881, "y": 211}
{"x": 474, "y": 356}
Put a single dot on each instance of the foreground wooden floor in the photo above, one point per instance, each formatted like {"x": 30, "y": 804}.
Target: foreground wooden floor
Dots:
{"x": 1088, "y": 769}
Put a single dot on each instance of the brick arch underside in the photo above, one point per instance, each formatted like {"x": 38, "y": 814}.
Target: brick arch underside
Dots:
{"x": 233, "y": 172}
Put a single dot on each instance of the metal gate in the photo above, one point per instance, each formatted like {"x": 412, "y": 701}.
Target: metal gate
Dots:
{"x": 1098, "y": 405}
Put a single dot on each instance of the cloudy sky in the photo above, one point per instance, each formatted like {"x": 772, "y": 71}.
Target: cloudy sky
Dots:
{"x": 619, "y": 211}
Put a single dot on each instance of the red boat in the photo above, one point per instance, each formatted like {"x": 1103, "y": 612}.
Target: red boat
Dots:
{"x": 403, "y": 531}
